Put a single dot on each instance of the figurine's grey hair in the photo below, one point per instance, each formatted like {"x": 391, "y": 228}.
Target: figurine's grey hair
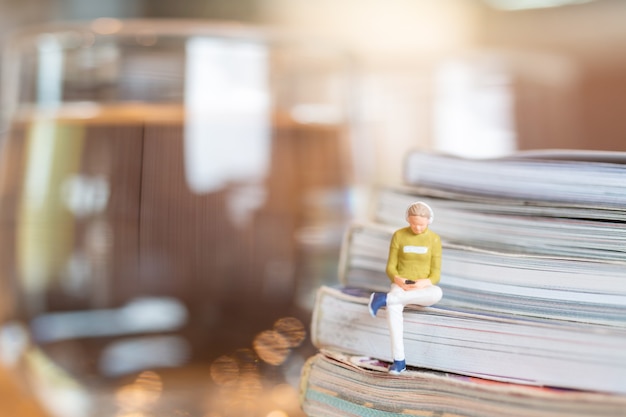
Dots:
{"x": 421, "y": 209}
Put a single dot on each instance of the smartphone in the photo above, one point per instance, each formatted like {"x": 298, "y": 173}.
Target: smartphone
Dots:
{"x": 409, "y": 281}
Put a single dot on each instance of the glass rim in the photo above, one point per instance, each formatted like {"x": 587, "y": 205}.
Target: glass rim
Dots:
{"x": 78, "y": 35}
{"x": 106, "y": 27}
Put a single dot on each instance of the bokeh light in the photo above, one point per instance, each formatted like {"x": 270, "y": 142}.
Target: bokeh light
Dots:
{"x": 277, "y": 413}
{"x": 291, "y": 329}
{"x": 225, "y": 371}
{"x": 272, "y": 347}
{"x": 142, "y": 394}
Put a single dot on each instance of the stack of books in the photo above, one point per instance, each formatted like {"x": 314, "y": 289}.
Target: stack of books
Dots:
{"x": 533, "y": 316}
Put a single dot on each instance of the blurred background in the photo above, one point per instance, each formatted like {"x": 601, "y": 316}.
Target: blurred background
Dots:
{"x": 143, "y": 289}
{"x": 510, "y": 74}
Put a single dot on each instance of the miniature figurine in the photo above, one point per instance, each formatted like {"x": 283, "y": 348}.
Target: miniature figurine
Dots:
{"x": 414, "y": 269}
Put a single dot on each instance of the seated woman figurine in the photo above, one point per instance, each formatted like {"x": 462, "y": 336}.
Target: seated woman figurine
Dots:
{"x": 414, "y": 269}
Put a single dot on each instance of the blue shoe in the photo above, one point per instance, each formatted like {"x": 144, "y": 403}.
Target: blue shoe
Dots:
{"x": 377, "y": 300}
{"x": 397, "y": 367}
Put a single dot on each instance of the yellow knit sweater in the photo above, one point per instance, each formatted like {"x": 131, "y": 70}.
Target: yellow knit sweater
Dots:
{"x": 414, "y": 256}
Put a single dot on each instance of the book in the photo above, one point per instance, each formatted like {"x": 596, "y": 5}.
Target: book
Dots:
{"x": 580, "y": 290}
{"x": 509, "y": 348}
{"x": 335, "y": 384}
{"x": 512, "y": 225}
{"x": 533, "y": 315}
{"x": 573, "y": 177}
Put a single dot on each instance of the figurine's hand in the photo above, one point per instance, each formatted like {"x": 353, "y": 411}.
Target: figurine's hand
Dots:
{"x": 422, "y": 283}
{"x": 404, "y": 283}
{"x": 412, "y": 285}
{"x": 401, "y": 282}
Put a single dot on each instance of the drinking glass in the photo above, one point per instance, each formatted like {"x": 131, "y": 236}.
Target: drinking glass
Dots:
{"x": 171, "y": 194}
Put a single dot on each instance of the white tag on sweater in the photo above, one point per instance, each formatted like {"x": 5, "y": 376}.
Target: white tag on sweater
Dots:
{"x": 415, "y": 249}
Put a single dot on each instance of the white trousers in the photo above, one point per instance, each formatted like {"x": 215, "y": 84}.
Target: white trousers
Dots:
{"x": 397, "y": 298}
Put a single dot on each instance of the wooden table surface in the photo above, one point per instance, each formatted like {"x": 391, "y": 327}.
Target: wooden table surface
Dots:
{"x": 15, "y": 400}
